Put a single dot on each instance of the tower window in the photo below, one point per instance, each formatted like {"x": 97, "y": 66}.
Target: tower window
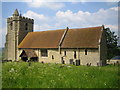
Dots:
{"x": 26, "y": 26}
{"x": 64, "y": 53}
{"x": 85, "y": 51}
{"x": 11, "y": 25}
{"x": 75, "y": 54}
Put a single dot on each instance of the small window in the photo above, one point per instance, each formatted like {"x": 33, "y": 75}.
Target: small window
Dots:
{"x": 11, "y": 25}
{"x": 64, "y": 53}
{"x": 52, "y": 57}
{"x": 44, "y": 53}
{"x": 26, "y": 26}
{"x": 75, "y": 54}
{"x": 85, "y": 51}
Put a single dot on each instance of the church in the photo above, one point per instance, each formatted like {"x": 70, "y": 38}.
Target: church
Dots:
{"x": 79, "y": 46}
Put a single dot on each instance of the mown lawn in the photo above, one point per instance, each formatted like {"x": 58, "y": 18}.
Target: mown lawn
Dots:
{"x": 37, "y": 75}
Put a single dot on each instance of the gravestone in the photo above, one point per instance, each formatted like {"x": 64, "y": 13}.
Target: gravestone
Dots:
{"x": 77, "y": 62}
{"x": 71, "y": 61}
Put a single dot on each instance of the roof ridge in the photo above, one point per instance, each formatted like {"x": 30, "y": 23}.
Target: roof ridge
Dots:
{"x": 86, "y": 27}
{"x": 50, "y": 30}
{"x": 69, "y": 29}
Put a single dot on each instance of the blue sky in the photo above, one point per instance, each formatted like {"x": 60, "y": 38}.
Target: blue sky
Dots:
{"x": 9, "y": 7}
{"x": 57, "y": 15}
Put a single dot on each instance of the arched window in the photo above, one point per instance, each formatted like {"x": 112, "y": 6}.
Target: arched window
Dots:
{"x": 26, "y": 26}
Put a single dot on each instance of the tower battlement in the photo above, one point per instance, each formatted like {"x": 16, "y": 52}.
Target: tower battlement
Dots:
{"x": 20, "y": 18}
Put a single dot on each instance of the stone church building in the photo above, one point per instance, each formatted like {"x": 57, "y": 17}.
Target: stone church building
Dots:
{"x": 80, "y": 46}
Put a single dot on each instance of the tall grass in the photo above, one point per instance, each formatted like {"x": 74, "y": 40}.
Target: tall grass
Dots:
{"x": 37, "y": 75}
{"x": 0, "y": 55}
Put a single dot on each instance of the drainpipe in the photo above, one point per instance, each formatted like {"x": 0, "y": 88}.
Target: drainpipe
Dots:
{"x": 99, "y": 49}
{"x": 59, "y": 49}
{"x": 78, "y": 53}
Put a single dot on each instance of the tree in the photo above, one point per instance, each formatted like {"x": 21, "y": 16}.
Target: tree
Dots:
{"x": 112, "y": 40}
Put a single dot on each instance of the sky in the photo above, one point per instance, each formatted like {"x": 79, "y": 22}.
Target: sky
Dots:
{"x": 59, "y": 15}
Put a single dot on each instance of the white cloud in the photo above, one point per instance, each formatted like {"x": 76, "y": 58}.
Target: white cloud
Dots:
{"x": 36, "y": 16}
{"x": 42, "y": 27}
{"x": 43, "y": 4}
{"x": 92, "y": 0}
{"x": 79, "y": 19}
{"x": 16, "y": 0}
{"x": 60, "y": 0}
{"x": 41, "y": 21}
{"x": 84, "y": 19}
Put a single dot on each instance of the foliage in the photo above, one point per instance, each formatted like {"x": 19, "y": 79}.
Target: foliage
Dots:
{"x": 112, "y": 48}
{"x": 37, "y": 75}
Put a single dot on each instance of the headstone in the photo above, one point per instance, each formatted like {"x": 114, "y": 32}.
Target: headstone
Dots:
{"x": 77, "y": 62}
{"x": 71, "y": 61}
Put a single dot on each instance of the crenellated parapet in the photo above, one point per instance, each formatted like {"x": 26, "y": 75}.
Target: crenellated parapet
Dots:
{"x": 20, "y": 18}
{"x": 26, "y": 19}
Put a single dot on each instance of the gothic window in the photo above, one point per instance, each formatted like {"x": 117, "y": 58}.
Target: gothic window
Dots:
{"x": 44, "y": 53}
{"x": 26, "y": 26}
{"x": 85, "y": 51}
{"x": 75, "y": 54}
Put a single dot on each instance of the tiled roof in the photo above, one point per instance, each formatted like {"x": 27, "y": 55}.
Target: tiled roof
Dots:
{"x": 44, "y": 39}
{"x": 82, "y": 38}
{"x": 74, "y": 38}
{"x": 28, "y": 53}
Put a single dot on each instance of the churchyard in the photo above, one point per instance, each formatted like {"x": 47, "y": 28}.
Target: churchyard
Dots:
{"x": 41, "y": 75}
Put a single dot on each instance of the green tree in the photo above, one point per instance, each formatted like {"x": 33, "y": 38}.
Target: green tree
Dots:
{"x": 112, "y": 40}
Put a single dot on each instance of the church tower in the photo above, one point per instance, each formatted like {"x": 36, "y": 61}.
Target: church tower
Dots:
{"x": 17, "y": 28}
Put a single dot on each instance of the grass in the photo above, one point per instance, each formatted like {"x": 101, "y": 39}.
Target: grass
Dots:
{"x": 37, "y": 75}
{"x": 0, "y": 55}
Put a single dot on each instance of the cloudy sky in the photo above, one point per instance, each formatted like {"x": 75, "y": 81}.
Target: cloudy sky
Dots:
{"x": 59, "y": 15}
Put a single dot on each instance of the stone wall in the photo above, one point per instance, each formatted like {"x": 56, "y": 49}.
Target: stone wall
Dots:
{"x": 16, "y": 32}
{"x": 92, "y": 56}
{"x": 103, "y": 48}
